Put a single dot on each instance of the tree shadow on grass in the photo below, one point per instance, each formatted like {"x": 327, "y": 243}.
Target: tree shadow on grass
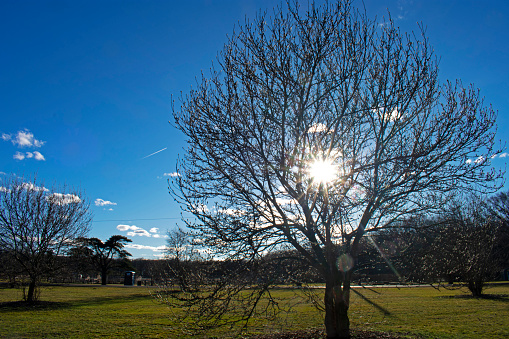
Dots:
{"x": 22, "y": 306}
{"x": 497, "y": 297}
{"x": 112, "y": 299}
{"x": 380, "y": 308}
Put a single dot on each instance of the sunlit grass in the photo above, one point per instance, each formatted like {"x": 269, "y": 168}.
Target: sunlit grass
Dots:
{"x": 131, "y": 312}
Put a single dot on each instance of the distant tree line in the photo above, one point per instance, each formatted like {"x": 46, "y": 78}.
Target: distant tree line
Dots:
{"x": 467, "y": 242}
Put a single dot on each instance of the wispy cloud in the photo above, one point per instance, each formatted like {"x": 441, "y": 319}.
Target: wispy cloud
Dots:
{"x": 19, "y": 156}
{"x": 172, "y": 174}
{"x": 146, "y": 247}
{"x": 63, "y": 199}
{"x": 155, "y": 153}
{"x": 133, "y": 231}
{"x": 101, "y": 202}
{"x": 481, "y": 158}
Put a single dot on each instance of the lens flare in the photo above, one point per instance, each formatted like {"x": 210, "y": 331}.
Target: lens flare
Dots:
{"x": 345, "y": 262}
{"x": 385, "y": 258}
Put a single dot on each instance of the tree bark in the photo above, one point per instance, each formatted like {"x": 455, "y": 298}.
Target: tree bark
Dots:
{"x": 104, "y": 277}
{"x": 476, "y": 287}
{"x": 337, "y": 302}
{"x": 30, "y": 298}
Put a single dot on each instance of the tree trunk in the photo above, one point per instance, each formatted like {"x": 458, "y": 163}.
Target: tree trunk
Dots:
{"x": 476, "y": 287}
{"x": 337, "y": 302}
{"x": 30, "y": 297}
{"x": 104, "y": 277}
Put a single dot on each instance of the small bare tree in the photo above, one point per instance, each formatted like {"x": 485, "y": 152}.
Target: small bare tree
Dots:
{"x": 316, "y": 127}
{"x": 498, "y": 206}
{"x": 463, "y": 245}
{"x": 39, "y": 223}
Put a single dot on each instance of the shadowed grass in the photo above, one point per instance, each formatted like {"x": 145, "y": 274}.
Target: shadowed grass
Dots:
{"x": 131, "y": 312}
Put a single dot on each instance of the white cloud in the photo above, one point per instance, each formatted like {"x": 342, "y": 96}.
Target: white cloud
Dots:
{"x": 139, "y": 232}
{"x": 478, "y": 160}
{"x": 387, "y": 115}
{"x": 232, "y": 212}
{"x": 63, "y": 199}
{"x": 201, "y": 208}
{"x": 145, "y": 247}
{"x": 504, "y": 155}
{"x": 19, "y": 156}
{"x": 101, "y": 202}
{"x": 28, "y": 155}
{"x": 24, "y": 139}
{"x": 134, "y": 230}
{"x": 317, "y": 128}
{"x": 39, "y": 156}
{"x": 173, "y": 174}
{"x": 123, "y": 228}
{"x": 31, "y": 187}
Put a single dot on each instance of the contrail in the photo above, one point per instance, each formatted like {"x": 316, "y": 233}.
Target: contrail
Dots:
{"x": 154, "y": 153}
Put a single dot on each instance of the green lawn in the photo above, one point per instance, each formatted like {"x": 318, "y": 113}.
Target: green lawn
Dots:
{"x": 130, "y": 312}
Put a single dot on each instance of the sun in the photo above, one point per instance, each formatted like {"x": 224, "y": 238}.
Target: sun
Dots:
{"x": 323, "y": 171}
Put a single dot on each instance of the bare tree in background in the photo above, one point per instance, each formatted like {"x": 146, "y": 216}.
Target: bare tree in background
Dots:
{"x": 315, "y": 127}
{"x": 498, "y": 206}
{"x": 463, "y": 245}
{"x": 38, "y": 223}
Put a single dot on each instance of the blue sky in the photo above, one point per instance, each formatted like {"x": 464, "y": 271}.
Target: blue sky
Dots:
{"x": 86, "y": 86}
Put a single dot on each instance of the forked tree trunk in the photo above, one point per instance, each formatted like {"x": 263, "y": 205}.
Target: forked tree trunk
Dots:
{"x": 337, "y": 302}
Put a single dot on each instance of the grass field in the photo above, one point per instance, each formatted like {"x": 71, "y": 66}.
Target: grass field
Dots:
{"x": 131, "y": 312}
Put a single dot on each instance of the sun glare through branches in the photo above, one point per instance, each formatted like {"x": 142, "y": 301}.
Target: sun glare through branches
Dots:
{"x": 323, "y": 171}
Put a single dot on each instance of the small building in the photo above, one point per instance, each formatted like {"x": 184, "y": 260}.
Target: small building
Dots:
{"x": 129, "y": 278}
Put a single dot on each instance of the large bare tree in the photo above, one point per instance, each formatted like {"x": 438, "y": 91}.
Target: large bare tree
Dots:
{"x": 38, "y": 223}
{"x": 317, "y": 126}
